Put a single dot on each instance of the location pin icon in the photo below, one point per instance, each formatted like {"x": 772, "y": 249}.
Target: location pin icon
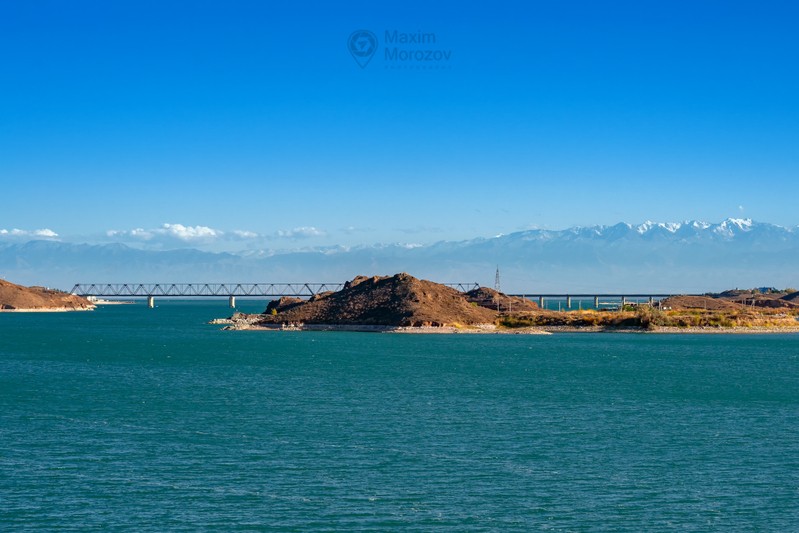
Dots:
{"x": 362, "y": 44}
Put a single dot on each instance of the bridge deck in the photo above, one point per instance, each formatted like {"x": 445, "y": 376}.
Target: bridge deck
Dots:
{"x": 191, "y": 290}
{"x": 562, "y": 295}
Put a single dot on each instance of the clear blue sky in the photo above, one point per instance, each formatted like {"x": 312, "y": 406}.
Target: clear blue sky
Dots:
{"x": 254, "y": 116}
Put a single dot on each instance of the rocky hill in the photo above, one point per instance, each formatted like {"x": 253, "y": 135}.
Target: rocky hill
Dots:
{"x": 791, "y": 297}
{"x": 18, "y": 298}
{"x": 708, "y": 303}
{"x": 492, "y": 299}
{"x": 736, "y": 299}
{"x": 400, "y": 300}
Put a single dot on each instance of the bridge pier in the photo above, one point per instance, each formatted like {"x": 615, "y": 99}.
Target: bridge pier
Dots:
{"x": 596, "y": 302}
{"x": 151, "y": 301}
{"x": 541, "y": 302}
{"x": 232, "y": 302}
{"x": 568, "y": 302}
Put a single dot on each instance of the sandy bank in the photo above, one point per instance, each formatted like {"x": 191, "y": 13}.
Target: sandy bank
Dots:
{"x": 490, "y": 329}
{"x": 47, "y": 310}
{"x": 734, "y": 330}
{"x": 485, "y": 329}
{"x": 671, "y": 330}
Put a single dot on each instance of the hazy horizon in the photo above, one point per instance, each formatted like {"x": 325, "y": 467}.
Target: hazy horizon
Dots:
{"x": 686, "y": 257}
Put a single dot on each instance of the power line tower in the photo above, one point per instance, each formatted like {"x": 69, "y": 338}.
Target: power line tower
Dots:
{"x": 496, "y": 280}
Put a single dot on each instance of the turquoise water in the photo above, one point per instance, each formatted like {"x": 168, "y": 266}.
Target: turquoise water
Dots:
{"x": 135, "y": 419}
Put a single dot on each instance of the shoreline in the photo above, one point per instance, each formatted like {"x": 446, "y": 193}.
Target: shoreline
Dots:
{"x": 485, "y": 329}
{"x": 48, "y": 309}
{"x": 735, "y": 330}
{"x": 490, "y": 329}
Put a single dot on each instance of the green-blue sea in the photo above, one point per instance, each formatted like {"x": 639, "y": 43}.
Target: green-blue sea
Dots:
{"x": 136, "y": 419}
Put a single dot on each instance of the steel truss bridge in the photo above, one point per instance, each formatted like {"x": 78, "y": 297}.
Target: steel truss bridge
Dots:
{"x": 191, "y": 290}
{"x": 297, "y": 290}
{"x": 229, "y": 290}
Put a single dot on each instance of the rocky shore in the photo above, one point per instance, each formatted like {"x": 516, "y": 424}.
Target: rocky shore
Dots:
{"x": 480, "y": 329}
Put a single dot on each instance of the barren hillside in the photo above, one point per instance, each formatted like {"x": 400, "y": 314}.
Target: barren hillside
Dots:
{"x": 17, "y": 297}
{"x": 399, "y": 300}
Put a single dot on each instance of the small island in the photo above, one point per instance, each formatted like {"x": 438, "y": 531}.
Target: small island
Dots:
{"x": 405, "y": 304}
{"x": 17, "y": 298}
{"x": 400, "y": 303}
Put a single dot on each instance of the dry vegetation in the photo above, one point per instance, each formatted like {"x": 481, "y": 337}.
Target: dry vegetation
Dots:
{"x": 648, "y": 318}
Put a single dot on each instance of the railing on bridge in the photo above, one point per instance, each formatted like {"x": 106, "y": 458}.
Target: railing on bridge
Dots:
{"x": 305, "y": 290}
{"x": 229, "y": 290}
{"x": 184, "y": 290}
{"x": 618, "y": 300}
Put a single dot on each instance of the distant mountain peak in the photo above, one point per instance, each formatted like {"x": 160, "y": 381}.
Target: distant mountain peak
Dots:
{"x": 671, "y": 227}
{"x": 731, "y": 225}
{"x": 686, "y": 256}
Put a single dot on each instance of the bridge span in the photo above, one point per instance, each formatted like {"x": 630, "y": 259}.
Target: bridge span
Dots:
{"x": 621, "y": 298}
{"x": 307, "y": 290}
{"x": 206, "y": 290}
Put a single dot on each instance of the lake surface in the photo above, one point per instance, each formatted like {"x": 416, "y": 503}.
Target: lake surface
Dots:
{"x": 134, "y": 419}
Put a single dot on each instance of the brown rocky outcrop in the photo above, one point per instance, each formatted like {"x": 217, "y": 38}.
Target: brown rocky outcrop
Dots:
{"x": 16, "y": 297}
{"x": 400, "y": 300}
{"x": 791, "y": 297}
{"x": 734, "y": 299}
{"x": 699, "y": 302}
{"x": 283, "y": 304}
{"x": 497, "y": 301}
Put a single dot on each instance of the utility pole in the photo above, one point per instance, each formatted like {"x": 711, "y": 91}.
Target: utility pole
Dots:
{"x": 496, "y": 288}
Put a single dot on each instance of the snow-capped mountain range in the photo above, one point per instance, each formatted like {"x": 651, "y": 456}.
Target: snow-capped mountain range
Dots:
{"x": 691, "y": 256}
{"x": 691, "y": 229}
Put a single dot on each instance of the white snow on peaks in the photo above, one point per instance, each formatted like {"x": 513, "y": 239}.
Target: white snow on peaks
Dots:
{"x": 671, "y": 227}
{"x": 729, "y": 226}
